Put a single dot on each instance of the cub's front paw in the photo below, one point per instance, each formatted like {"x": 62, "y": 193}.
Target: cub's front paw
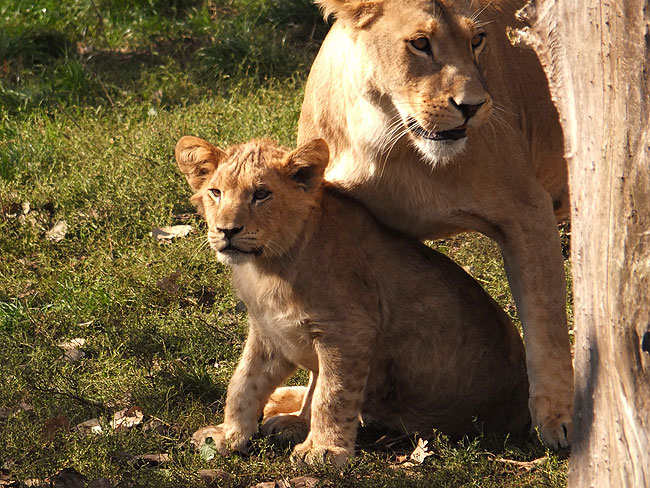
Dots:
{"x": 287, "y": 427}
{"x": 307, "y": 453}
{"x": 224, "y": 438}
{"x": 553, "y": 418}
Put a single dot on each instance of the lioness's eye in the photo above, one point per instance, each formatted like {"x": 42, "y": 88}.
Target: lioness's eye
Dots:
{"x": 477, "y": 40}
{"x": 216, "y": 193}
{"x": 421, "y": 44}
{"x": 261, "y": 194}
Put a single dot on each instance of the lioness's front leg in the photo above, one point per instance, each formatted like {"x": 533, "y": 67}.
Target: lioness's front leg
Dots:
{"x": 260, "y": 370}
{"x": 534, "y": 265}
{"x": 336, "y": 402}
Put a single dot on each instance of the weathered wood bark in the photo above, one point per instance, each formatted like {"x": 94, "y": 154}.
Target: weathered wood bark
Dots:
{"x": 596, "y": 54}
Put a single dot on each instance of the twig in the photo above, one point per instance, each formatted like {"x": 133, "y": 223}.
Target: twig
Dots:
{"x": 142, "y": 157}
{"x": 72, "y": 396}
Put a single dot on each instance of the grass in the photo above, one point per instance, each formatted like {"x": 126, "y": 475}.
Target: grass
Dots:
{"x": 93, "y": 96}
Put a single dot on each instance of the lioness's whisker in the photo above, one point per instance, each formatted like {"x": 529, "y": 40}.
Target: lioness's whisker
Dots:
{"x": 476, "y": 14}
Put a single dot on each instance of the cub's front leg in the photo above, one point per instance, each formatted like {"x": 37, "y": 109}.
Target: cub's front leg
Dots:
{"x": 337, "y": 399}
{"x": 260, "y": 370}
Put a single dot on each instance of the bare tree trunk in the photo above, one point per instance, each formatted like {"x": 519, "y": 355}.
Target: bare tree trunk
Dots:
{"x": 597, "y": 58}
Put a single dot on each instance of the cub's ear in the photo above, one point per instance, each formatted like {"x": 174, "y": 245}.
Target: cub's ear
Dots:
{"x": 358, "y": 13}
{"x": 307, "y": 164}
{"x": 197, "y": 159}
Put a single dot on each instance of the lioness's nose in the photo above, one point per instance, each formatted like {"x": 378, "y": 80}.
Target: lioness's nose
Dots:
{"x": 229, "y": 233}
{"x": 468, "y": 110}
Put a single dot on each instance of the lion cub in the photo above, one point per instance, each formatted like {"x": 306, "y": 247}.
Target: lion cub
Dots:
{"x": 392, "y": 331}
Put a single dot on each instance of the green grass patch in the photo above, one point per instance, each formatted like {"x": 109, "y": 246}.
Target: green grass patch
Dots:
{"x": 94, "y": 95}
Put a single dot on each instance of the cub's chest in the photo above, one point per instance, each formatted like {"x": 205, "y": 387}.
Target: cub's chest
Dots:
{"x": 288, "y": 333}
{"x": 277, "y": 316}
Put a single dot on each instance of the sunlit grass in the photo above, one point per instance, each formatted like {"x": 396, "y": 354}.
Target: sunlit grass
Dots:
{"x": 93, "y": 97}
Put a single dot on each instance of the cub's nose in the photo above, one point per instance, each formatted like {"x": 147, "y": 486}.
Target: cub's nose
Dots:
{"x": 468, "y": 110}
{"x": 229, "y": 233}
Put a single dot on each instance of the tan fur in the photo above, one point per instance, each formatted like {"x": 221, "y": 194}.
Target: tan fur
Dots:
{"x": 390, "y": 329}
{"x": 374, "y": 97}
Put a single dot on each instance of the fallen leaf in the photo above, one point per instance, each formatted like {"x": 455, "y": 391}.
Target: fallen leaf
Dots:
{"x": 121, "y": 456}
{"x": 524, "y": 466}
{"x": 101, "y": 483}
{"x": 170, "y": 283}
{"x": 166, "y": 234}
{"x": 421, "y": 452}
{"x": 273, "y": 484}
{"x": 68, "y": 478}
{"x": 183, "y": 217}
{"x": 6, "y": 479}
{"x": 154, "y": 458}
{"x": 57, "y": 232}
{"x": 154, "y": 425}
{"x": 33, "y": 482}
{"x": 240, "y": 307}
{"x": 5, "y": 413}
{"x": 127, "y": 418}
{"x": 54, "y": 425}
{"x": 71, "y": 349}
{"x": 214, "y": 477}
{"x": 208, "y": 449}
{"x": 88, "y": 427}
{"x": 303, "y": 482}
{"x": 402, "y": 458}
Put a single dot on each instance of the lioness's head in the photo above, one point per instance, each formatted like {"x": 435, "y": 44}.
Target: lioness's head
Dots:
{"x": 421, "y": 57}
{"x": 256, "y": 197}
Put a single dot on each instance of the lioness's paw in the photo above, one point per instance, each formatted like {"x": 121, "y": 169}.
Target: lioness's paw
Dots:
{"x": 553, "y": 420}
{"x": 306, "y": 453}
{"x": 287, "y": 427}
{"x": 225, "y": 440}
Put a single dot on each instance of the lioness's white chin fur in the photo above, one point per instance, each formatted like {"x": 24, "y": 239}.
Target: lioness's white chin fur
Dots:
{"x": 439, "y": 152}
{"x": 233, "y": 259}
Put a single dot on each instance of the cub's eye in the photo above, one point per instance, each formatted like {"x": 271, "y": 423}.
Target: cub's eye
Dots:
{"x": 477, "y": 40}
{"x": 261, "y": 194}
{"x": 421, "y": 44}
{"x": 215, "y": 192}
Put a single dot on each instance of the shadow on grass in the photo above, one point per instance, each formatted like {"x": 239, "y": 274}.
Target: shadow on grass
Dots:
{"x": 50, "y": 67}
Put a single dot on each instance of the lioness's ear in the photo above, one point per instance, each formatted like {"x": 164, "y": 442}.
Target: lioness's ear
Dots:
{"x": 359, "y": 13}
{"x": 197, "y": 159}
{"x": 307, "y": 164}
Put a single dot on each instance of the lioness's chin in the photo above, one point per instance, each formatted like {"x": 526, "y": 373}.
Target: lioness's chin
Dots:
{"x": 439, "y": 152}
{"x": 233, "y": 258}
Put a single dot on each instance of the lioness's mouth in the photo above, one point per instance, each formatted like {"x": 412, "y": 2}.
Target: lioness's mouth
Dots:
{"x": 234, "y": 250}
{"x": 444, "y": 135}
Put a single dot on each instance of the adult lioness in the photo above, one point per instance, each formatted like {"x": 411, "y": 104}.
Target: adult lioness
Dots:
{"x": 401, "y": 90}
{"x": 390, "y": 328}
